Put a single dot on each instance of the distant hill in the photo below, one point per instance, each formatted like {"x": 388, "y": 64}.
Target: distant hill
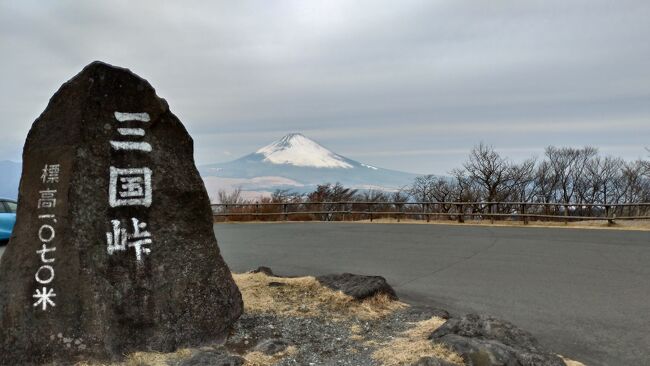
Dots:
{"x": 298, "y": 163}
{"x": 9, "y": 178}
{"x": 294, "y": 162}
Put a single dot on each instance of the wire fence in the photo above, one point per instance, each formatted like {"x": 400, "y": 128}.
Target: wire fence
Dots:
{"x": 457, "y": 211}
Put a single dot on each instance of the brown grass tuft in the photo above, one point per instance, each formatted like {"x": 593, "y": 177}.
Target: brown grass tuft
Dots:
{"x": 261, "y": 359}
{"x": 413, "y": 345}
{"x": 155, "y": 358}
{"x": 306, "y": 297}
{"x": 570, "y": 362}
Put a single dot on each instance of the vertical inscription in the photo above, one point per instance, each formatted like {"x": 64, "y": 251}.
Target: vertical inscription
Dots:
{"x": 130, "y": 187}
{"x": 44, "y": 276}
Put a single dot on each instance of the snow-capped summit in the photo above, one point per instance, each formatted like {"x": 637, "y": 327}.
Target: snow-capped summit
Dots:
{"x": 296, "y": 149}
{"x": 298, "y": 163}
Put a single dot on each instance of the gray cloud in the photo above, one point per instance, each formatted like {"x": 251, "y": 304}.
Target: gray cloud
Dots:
{"x": 408, "y": 85}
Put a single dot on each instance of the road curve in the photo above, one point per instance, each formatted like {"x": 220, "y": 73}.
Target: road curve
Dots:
{"x": 583, "y": 293}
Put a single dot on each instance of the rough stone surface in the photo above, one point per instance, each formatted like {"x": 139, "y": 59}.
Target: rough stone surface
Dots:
{"x": 424, "y": 312}
{"x": 487, "y": 341}
{"x": 262, "y": 269}
{"x": 358, "y": 286}
{"x": 272, "y": 346}
{"x": 179, "y": 294}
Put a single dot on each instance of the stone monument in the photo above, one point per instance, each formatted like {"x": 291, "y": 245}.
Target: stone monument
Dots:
{"x": 113, "y": 249}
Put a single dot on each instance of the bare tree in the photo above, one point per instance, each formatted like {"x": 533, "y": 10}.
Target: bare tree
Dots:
{"x": 520, "y": 179}
{"x": 465, "y": 188}
{"x": 568, "y": 165}
{"x": 330, "y": 194}
{"x": 231, "y": 197}
{"x": 487, "y": 168}
{"x": 285, "y": 196}
{"x": 421, "y": 188}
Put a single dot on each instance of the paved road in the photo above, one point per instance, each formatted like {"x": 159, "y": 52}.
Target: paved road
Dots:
{"x": 582, "y": 293}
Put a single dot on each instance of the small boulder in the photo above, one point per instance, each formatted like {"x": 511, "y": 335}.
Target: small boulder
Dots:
{"x": 272, "y": 346}
{"x": 487, "y": 327}
{"x": 419, "y": 313}
{"x": 479, "y": 352}
{"x": 262, "y": 269}
{"x": 487, "y": 341}
{"x": 359, "y": 287}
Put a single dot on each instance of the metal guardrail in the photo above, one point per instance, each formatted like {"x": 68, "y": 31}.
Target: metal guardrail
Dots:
{"x": 521, "y": 211}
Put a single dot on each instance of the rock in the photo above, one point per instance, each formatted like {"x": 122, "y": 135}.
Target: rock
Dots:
{"x": 431, "y": 361}
{"x": 485, "y": 341}
{"x": 261, "y": 269}
{"x": 272, "y": 346}
{"x": 212, "y": 358}
{"x": 358, "y": 286}
{"x": 478, "y": 352}
{"x": 114, "y": 244}
{"x": 486, "y": 327}
{"x": 420, "y": 312}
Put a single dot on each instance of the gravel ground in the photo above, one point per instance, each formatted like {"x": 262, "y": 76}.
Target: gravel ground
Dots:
{"x": 298, "y": 321}
{"x": 320, "y": 341}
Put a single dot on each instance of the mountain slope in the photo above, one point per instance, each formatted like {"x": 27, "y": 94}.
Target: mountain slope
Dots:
{"x": 306, "y": 163}
{"x": 9, "y": 178}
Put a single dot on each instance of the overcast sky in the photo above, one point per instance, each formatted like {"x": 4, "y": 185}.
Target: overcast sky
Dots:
{"x": 408, "y": 85}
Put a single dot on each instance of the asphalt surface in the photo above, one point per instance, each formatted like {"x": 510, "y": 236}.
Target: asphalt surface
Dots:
{"x": 584, "y": 294}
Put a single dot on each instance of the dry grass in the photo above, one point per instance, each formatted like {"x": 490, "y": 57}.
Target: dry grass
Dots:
{"x": 145, "y": 358}
{"x": 413, "y": 344}
{"x": 569, "y": 362}
{"x": 261, "y": 359}
{"x": 306, "y": 297}
{"x": 155, "y": 358}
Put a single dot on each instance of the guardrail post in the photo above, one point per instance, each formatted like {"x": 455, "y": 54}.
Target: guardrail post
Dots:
{"x": 284, "y": 209}
{"x": 566, "y": 213}
{"x": 257, "y": 211}
{"x": 460, "y": 214}
{"x": 491, "y": 213}
{"x": 610, "y": 220}
{"x": 399, "y": 212}
{"x": 426, "y": 210}
{"x": 523, "y": 214}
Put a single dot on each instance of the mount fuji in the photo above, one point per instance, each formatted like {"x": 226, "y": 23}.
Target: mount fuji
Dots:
{"x": 298, "y": 163}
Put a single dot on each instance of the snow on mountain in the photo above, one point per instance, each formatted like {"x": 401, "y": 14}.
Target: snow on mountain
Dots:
{"x": 294, "y": 162}
{"x": 298, "y": 163}
{"x": 296, "y": 149}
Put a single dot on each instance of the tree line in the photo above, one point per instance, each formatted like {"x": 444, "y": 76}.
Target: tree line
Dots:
{"x": 577, "y": 181}
{"x": 566, "y": 175}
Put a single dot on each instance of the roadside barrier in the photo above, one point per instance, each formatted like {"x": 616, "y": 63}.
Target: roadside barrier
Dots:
{"x": 458, "y": 211}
